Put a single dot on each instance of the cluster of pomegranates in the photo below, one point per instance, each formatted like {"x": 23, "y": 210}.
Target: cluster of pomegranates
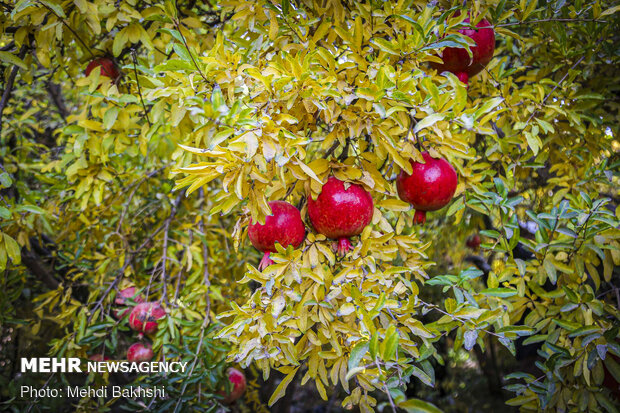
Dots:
{"x": 143, "y": 319}
{"x": 457, "y": 60}
{"x": 342, "y": 210}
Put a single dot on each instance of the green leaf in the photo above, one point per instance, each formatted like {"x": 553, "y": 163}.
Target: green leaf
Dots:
{"x": 428, "y": 121}
{"x": 5, "y": 213}
{"x": 418, "y": 406}
{"x": 12, "y": 249}
{"x": 390, "y": 346}
{"x": 286, "y": 5}
{"x": 499, "y": 292}
{"x": 551, "y": 271}
{"x": 455, "y": 206}
{"x": 357, "y": 354}
{"x": 57, "y": 8}
{"x": 518, "y": 330}
{"x": 5, "y": 180}
{"x": 488, "y": 106}
{"x": 385, "y": 46}
{"x": 10, "y": 58}
{"x": 421, "y": 374}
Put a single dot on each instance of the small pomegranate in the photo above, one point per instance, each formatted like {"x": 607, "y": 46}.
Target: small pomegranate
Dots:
{"x": 430, "y": 186}
{"x": 108, "y": 67}
{"x": 473, "y": 242}
{"x": 99, "y": 357}
{"x": 283, "y": 226}
{"x": 139, "y": 352}
{"x": 238, "y": 383}
{"x": 144, "y": 316}
{"x": 457, "y": 61}
{"x": 121, "y": 300}
{"x": 340, "y": 213}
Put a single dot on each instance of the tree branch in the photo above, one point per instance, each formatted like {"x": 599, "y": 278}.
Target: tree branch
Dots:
{"x": 6, "y": 94}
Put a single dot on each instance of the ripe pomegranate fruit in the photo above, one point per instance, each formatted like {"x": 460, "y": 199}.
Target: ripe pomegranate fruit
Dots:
{"x": 108, "y": 67}
{"x": 121, "y": 300}
{"x": 430, "y": 186}
{"x": 283, "y": 226}
{"x": 473, "y": 242}
{"x": 144, "y": 316}
{"x": 238, "y": 382}
{"x": 139, "y": 352}
{"x": 457, "y": 61}
{"x": 340, "y": 213}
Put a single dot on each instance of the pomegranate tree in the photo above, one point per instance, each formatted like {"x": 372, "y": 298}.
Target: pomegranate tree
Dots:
{"x": 144, "y": 316}
{"x": 430, "y": 186}
{"x": 238, "y": 384}
{"x": 458, "y": 61}
{"x": 139, "y": 352}
{"x": 284, "y": 226}
{"x": 122, "y": 298}
{"x": 108, "y": 67}
{"x": 340, "y": 213}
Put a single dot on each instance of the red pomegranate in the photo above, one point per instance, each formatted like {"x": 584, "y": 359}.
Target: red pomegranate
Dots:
{"x": 457, "y": 61}
{"x": 473, "y": 242}
{"x": 283, "y": 226}
{"x": 139, "y": 352}
{"x": 238, "y": 384}
{"x": 340, "y": 213}
{"x": 99, "y": 357}
{"x": 108, "y": 67}
{"x": 144, "y": 316}
{"x": 121, "y": 299}
{"x": 430, "y": 186}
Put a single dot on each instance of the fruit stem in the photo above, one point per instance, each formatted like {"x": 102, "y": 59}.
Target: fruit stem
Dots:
{"x": 419, "y": 217}
{"x": 344, "y": 246}
{"x": 265, "y": 262}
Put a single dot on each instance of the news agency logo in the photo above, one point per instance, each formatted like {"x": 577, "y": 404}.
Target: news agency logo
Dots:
{"x": 74, "y": 365}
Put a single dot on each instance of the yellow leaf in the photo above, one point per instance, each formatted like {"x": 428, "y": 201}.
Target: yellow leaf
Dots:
{"x": 281, "y": 389}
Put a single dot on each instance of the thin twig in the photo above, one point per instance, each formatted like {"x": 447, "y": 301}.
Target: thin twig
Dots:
{"x": 135, "y": 70}
{"x": 176, "y": 23}
{"x": 78, "y": 38}
{"x": 387, "y": 391}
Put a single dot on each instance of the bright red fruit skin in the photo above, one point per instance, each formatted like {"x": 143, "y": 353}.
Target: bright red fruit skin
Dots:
{"x": 237, "y": 379}
{"x": 457, "y": 61}
{"x": 108, "y": 67}
{"x": 144, "y": 316}
{"x": 121, "y": 300}
{"x": 340, "y": 213}
{"x": 139, "y": 352}
{"x": 430, "y": 186}
{"x": 473, "y": 242}
{"x": 283, "y": 226}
